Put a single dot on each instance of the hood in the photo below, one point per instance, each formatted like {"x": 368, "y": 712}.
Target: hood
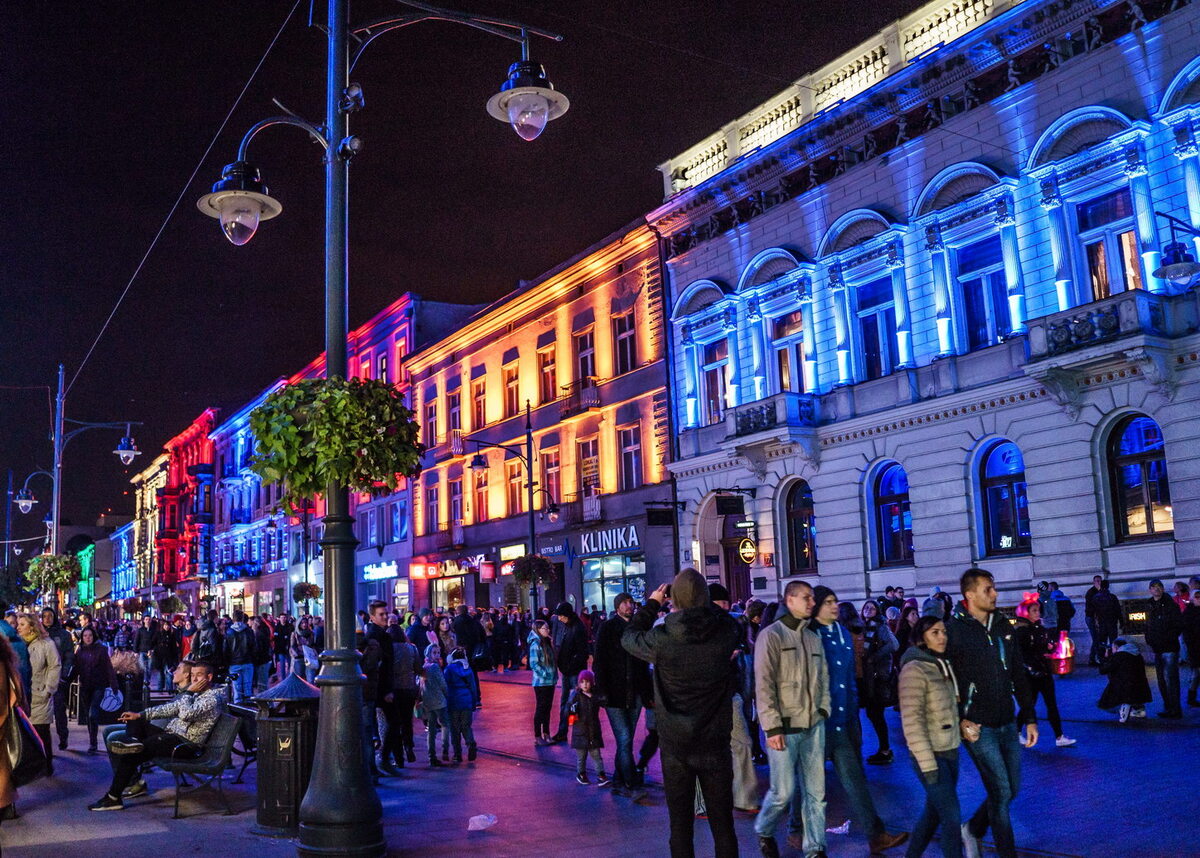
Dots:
{"x": 237, "y": 627}
{"x": 916, "y": 653}
{"x": 696, "y": 624}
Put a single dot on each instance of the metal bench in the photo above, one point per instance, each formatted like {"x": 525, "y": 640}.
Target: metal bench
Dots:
{"x": 209, "y": 768}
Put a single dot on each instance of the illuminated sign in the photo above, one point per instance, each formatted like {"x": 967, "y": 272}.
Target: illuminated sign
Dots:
{"x": 380, "y": 571}
{"x": 747, "y": 550}
{"x": 1137, "y": 616}
{"x": 487, "y": 570}
{"x": 512, "y": 552}
{"x": 422, "y": 571}
{"x": 614, "y": 539}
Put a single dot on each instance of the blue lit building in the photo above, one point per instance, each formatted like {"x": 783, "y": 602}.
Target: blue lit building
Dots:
{"x": 914, "y": 319}
{"x": 124, "y": 565}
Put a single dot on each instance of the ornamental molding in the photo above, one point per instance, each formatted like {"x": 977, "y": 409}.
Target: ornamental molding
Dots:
{"x": 1155, "y": 366}
{"x": 1063, "y": 385}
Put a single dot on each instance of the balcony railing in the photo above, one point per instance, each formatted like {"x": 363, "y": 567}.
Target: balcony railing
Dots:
{"x": 456, "y": 534}
{"x": 1127, "y": 314}
{"x": 578, "y": 397}
{"x": 784, "y": 410}
{"x": 591, "y": 508}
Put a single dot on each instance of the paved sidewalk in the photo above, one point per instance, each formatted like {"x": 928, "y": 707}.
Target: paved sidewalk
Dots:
{"x": 1111, "y": 796}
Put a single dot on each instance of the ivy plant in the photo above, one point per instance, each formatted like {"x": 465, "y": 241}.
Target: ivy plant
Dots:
{"x": 356, "y": 434}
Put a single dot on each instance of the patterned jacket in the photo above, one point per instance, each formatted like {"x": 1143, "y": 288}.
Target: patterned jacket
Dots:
{"x": 192, "y": 715}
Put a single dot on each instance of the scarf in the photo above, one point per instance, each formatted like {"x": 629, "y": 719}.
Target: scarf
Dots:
{"x": 30, "y": 637}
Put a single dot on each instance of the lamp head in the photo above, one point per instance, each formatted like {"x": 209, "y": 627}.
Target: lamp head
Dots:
{"x": 527, "y": 100}
{"x": 552, "y": 511}
{"x": 25, "y": 500}
{"x": 272, "y": 525}
{"x": 1178, "y": 265}
{"x": 127, "y": 450}
{"x": 18, "y": 550}
{"x": 239, "y": 201}
{"x": 478, "y": 463}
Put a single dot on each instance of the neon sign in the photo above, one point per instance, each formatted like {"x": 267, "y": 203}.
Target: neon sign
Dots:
{"x": 380, "y": 571}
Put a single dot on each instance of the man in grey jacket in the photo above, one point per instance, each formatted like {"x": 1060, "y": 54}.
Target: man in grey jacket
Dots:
{"x": 792, "y": 689}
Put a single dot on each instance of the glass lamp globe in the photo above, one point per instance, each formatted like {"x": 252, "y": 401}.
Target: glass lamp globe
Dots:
{"x": 528, "y": 113}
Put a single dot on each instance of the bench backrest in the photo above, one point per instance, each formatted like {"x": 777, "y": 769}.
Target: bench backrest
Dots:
{"x": 218, "y": 748}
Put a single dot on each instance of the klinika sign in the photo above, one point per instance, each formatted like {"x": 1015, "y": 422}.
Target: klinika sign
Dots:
{"x": 609, "y": 541}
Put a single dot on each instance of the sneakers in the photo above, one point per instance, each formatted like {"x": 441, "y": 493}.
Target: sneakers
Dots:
{"x": 125, "y": 746}
{"x": 1138, "y": 712}
{"x": 603, "y": 780}
{"x": 1064, "y": 741}
{"x": 135, "y": 789}
{"x": 541, "y": 741}
{"x": 886, "y": 840}
{"x": 1123, "y": 713}
{"x": 107, "y": 803}
{"x": 881, "y": 758}
{"x": 972, "y": 845}
{"x": 768, "y": 847}
{"x": 582, "y": 779}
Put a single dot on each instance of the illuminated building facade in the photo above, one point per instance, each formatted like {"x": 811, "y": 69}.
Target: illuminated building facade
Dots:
{"x": 146, "y": 485}
{"x": 582, "y": 347}
{"x": 183, "y": 543}
{"x": 124, "y": 565}
{"x": 914, "y": 320}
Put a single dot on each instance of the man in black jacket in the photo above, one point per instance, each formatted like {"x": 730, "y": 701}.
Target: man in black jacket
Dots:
{"x": 377, "y": 624}
{"x": 624, "y": 683}
{"x": 144, "y": 643}
{"x": 983, "y": 652}
{"x": 571, "y": 645}
{"x": 239, "y": 647}
{"x": 1089, "y": 617}
{"x": 692, "y": 653}
{"x": 469, "y": 633}
{"x": 1164, "y": 624}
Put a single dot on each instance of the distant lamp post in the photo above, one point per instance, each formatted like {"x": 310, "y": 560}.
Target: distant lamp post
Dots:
{"x": 1179, "y": 266}
{"x": 127, "y": 450}
{"x": 25, "y": 499}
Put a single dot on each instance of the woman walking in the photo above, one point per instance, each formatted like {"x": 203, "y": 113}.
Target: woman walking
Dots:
{"x": 46, "y": 668}
{"x": 302, "y": 639}
{"x": 545, "y": 677}
{"x": 10, "y": 696}
{"x": 878, "y": 645}
{"x": 1036, "y": 643}
{"x": 929, "y": 717}
{"x": 444, "y": 639}
{"x": 94, "y": 669}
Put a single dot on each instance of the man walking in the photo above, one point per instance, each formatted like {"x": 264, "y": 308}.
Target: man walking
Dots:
{"x": 692, "y": 653}
{"x": 1164, "y": 624}
{"x": 143, "y": 644}
{"x": 623, "y": 682}
{"x": 988, "y": 667}
{"x": 391, "y": 753}
{"x": 1089, "y": 617}
{"x": 239, "y": 646}
{"x": 571, "y": 646}
{"x": 792, "y": 688}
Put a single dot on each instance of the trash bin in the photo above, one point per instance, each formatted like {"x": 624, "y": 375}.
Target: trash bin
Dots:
{"x": 287, "y": 737}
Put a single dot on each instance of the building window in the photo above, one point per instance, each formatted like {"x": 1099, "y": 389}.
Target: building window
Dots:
{"x": 432, "y": 510}
{"x": 630, "y": 440}
{"x": 512, "y": 391}
{"x": 1137, "y": 467}
{"x": 787, "y": 332}
{"x": 399, "y": 521}
{"x": 589, "y": 467}
{"x": 547, "y": 376}
{"x": 624, "y": 344}
{"x": 514, "y": 482}
{"x": 430, "y": 423}
{"x": 1005, "y": 506}
{"x": 984, "y": 292}
{"x": 372, "y": 528}
{"x": 1109, "y": 243}
{"x": 481, "y": 495}
{"x": 877, "y": 328}
{"x": 382, "y": 368}
{"x": 456, "y": 502}
{"x": 585, "y": 355}
{"x": 478, "y": 404}
{"x": 454, "y": 411}
{"x": 551, "y": 480}
{"x": 364, "y": 368}
{"x": 715, "y": 371}
{"x": 893, "y": 519}
{"x": 801, "y": 530}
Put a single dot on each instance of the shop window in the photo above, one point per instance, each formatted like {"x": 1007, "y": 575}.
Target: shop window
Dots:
{"x": 1109, "y": 243}
{"x": 715, "y": 371}
{"x": 984, "y": 292}
{"x": 1005, "y": 505}
{"x": 801, "y": 529}
{"x": 547, "y": 376}
{"x": 630, "y": 440}
{"x": 877, "y": 328}
{"x": 1137, "y": 469}
{"x": 604, "y": 578}
{"x": 893, "y": 517}
{"x": 624, "y": 344}
{"x": 787, "y": 334}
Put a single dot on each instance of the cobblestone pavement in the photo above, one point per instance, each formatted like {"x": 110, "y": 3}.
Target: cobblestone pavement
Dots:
{"x": 1113, "y": 795}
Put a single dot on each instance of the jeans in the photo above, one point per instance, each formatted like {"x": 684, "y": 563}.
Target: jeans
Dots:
{"x": 283, "y": 665}
{"x": 803, "y": 751}
{"x": 1166, "y": 668}
{"x": 460, "y": 730}
{"x": 243, "y": 681}
{"x": 568, "y": 685}
{"x": 844, "y": 747}
{"x": 713, "y": 768}
{"x": 624, "y": 724}
{"x": 997, "y": 755}
{"x": 543, "y": 699}
{"x": 261, "y": 672}
{"x": 581, "y": 758}
{"x": 156, "y": 742}
{"x": 941, "y": 808}
{"x": 145, "y": 659}
{"x": 437, "y": 721}
{"x": 1094, "y": 631}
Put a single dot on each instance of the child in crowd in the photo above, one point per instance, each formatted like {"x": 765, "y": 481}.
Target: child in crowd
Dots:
{"x": 586, "y": 738}
{"x": 1127, "y": 691}
{"x": 433, "y": 700}
{"x": 462, "y": 699}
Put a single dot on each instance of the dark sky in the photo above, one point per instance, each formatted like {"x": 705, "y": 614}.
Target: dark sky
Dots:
{"x": 108, "y": 106}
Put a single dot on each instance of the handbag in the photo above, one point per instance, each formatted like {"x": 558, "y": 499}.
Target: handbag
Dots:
{"x": 112, "y": 701}
{"x": 480, "y": 660}
{"x": 26, "y": 753}
{"x": 310, "y": 658}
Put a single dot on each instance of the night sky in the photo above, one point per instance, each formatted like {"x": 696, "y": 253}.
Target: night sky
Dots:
{"x": 108, "y": 107}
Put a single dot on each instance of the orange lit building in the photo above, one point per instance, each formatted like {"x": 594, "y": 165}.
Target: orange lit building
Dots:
{"x": 581, "y": 347}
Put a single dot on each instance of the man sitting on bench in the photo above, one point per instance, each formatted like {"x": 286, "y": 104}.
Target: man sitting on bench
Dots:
{"x": 193, "y": 713}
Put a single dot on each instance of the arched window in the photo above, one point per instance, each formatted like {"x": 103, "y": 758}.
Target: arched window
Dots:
{"x": 893, "y": 519}
{"x": 801, "y": 530}
{"x": 1137, "y": 468}
{"x": 1005, "y": 506}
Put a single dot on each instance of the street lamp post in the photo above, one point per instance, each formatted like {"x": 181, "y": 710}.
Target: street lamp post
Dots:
{"x": 341, "y": 813}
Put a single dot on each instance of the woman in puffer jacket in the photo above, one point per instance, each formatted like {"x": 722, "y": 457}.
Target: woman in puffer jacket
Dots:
{"x": 545, "y": 677}
{"x": 929, "y": 716}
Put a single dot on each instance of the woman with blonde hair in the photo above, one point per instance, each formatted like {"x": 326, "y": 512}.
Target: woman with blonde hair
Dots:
{"x": 46, "y": 668}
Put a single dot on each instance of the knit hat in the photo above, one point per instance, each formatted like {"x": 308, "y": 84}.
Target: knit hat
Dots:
{"x": 564, "y": 609}
{"x": 755, "y": 609}
{"x": 820, "y": 594}
{"x": 718, "y": 593}
{"x": 689, "y": 590}
{"x": 586, "y": 674}
{"x": 1157, "y": 582}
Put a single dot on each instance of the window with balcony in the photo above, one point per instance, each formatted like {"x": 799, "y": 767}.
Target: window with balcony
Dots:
{"x": 877, "y": 328}
{"x": 589, "y": 467}
{"x": 893, "y": 517}
{"x": 430, "y": 426}
{"x": 456, "y": 502}
{"x": 1137, "y": 469}
{"x": 512, "y": 390}
{"x": 715, "y": 375}
{"x": 585, "y": 355}
{"x": 801, "y": 529}
{"x": 454, "y": 411}
{"x": 514, "y": 482}
{"x": 1109, "y": 243}
{"x": 630, "y": 441}
{"x": 547, "y": 376}
{"x": 551, "y": 478}
{"x": 433, "y": 511}
{"x": 481, "y": 496}
{"x": 984, "y": 290}
{"x": 399, "y": 513}
{"x": 478, "y": 404}
{"x": 1004, "y": 502}
{"x": 787, "y": 334}
{"x": 624, "y": 344}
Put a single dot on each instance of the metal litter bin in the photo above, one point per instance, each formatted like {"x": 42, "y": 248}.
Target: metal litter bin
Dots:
{"x": 287, "y": 737}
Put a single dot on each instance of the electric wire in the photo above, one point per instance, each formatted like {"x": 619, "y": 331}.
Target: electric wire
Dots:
{"x": 183, "y": 191}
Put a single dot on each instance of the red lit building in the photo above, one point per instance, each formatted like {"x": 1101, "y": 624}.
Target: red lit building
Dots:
{"x": 183, "y": 543}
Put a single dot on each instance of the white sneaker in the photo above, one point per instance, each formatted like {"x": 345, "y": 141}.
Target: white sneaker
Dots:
{"x": 1123, "y": 713}
{"x": 1139, "y": 712}
{"x": 972, "y": 845}
{"x": 1064, "y": 741}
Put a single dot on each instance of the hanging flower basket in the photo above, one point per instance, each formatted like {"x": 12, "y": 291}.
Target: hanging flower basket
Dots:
{"x": 170, "y": 605}
{"x": 302, "y": 592}
{"x": 50, "y": 572}
{"x": 356, "y": 434}
{"x": 532, "y": 568}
